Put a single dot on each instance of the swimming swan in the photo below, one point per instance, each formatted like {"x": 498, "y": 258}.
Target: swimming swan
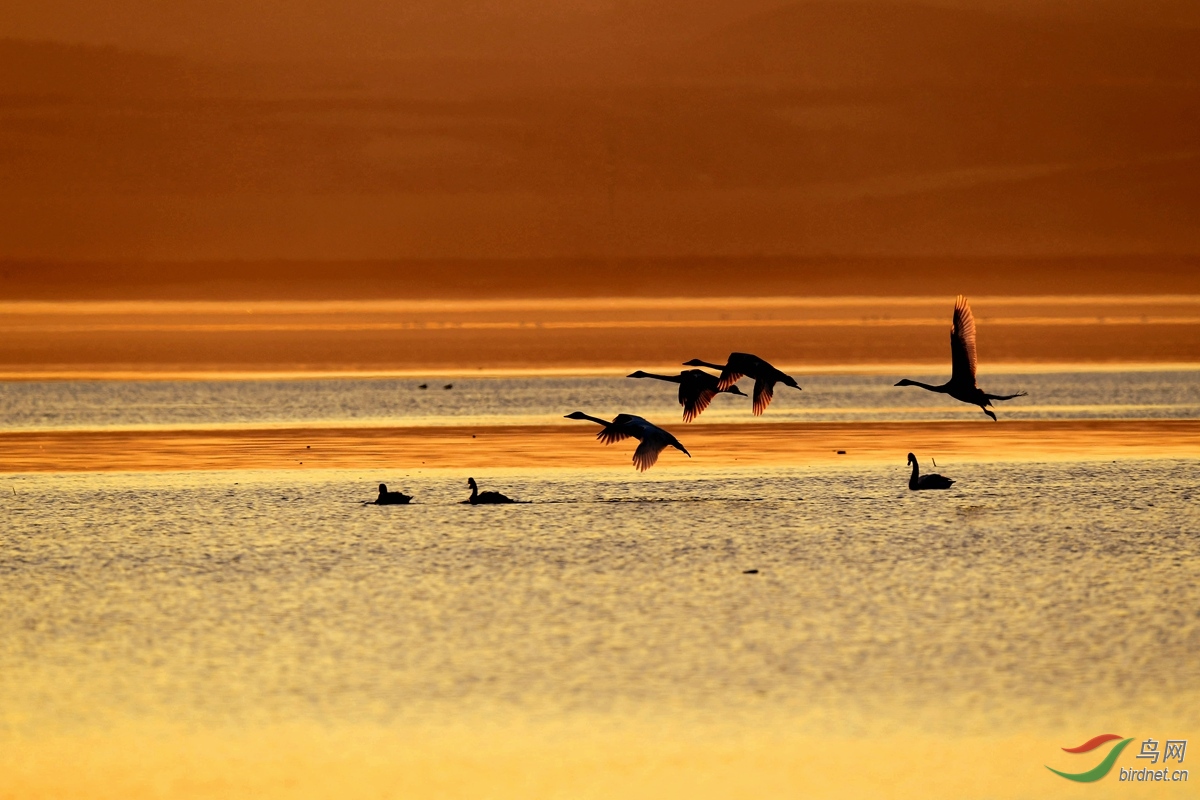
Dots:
{"x": 387, "y": 498}
{"x": 479, "y": 498}
{"x": 917, "y": 481}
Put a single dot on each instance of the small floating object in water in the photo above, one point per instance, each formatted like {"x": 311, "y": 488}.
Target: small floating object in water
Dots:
{"x": 841, "y": 452}
{"x": 749, "y": 572}
{"x": 423, "y": 386}
{"x": 448, "y": 386}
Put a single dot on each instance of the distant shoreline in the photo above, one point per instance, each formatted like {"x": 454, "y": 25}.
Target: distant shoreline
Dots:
{"x": 482, "y": 335}
{"x": 563, "y": 371}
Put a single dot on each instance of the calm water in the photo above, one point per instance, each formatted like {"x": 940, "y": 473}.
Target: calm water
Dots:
{"x": 1053, "y": 395}
{"x": 1028, "y": 594}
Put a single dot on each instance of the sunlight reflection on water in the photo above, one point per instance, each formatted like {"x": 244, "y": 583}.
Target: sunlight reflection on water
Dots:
{"x": 1027, "y": 591}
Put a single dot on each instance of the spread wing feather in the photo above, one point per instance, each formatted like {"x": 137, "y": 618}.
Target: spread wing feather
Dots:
{"x": 622, "y": 427}
{"x": 763, "y": 392}
{"x": 962, "y": 343}
{"x": 694, "y": 404}
{"x": 646, "y": 455}
{"x": 738, "y": 366}
{"x": 610, "y": 434}
{"x": 729, "y": 378}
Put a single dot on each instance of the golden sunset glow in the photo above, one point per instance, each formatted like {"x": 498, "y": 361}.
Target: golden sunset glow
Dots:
{"x": 261, "y": 263}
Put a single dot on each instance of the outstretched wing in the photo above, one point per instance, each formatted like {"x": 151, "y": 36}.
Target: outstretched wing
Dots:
{"x": 610, "y": 433}
{"x": 623, "y": 426}
{"x": 763, "y": 392}
{"x": 737, "y": 366}
{"x": 729, "y": 378}
{"x": 962, "y": 344}
{"x": 646, "y": 455}
{"x": 695, "y": 401}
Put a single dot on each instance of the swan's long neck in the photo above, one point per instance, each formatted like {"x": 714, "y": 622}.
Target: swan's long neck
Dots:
{"x": 916, "y": 475}
{"x": 596, "y": 420}
{"x": 474, "y": 490}
{"x": 718, "y": 367}
{"x": 926, "y": 386}
{"x": 671, "y": 378}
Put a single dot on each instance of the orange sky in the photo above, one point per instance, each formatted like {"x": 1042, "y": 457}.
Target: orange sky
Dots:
{"x": 205, "y": 129}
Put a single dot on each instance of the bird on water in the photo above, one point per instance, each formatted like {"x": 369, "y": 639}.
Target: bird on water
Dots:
{"x": 697, "y": 388}
{"x": 387, "y": 498}
{"x": 740, "y": 365}
{"x": 961, "y": 385}
{"x": 624, "y": 426}
{"x": 918, "y": 481}
{"x": 479, "y": 498}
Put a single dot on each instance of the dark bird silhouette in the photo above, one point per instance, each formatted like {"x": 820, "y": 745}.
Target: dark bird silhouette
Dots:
{"x": 961, "y": 385}
{"x": 624, "y": 426}
{"x": 697, "y": 388}
{"x": 479, "y": 498}
{"x": 918, "y": 481}
{"x": 423, "y": 386}
{"x": 387, "y": 498}
{"x": 741, "y": 365}
{"x": 448, "y": 386}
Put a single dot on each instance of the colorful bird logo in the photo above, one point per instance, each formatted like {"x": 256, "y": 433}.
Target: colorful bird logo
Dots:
{"x": 1100, "y": 770}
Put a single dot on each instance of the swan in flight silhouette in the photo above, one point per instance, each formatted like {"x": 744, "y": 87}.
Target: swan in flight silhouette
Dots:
{"x": 387, "y": 498}
{"x": 624, "y": 426}
{"x": 479, "y": 498}
{"x": 919, "y": 481}
{"x": 961, "y": 385}
{"x": 697, "y": 388}
{"x": 741, "y": 365}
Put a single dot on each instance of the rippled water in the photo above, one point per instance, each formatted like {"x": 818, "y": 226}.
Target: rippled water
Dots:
{"x": 223, "y": 630}
{"x": 1028, "y": 593}
{"x": 826, "y": 397}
